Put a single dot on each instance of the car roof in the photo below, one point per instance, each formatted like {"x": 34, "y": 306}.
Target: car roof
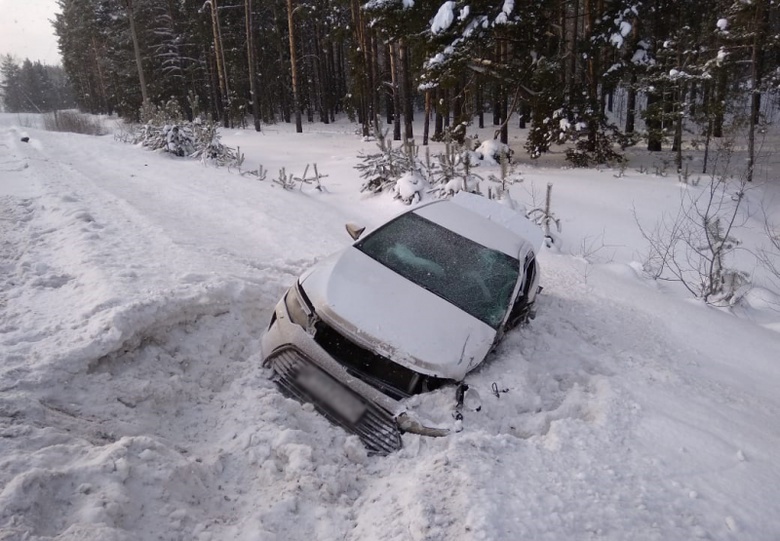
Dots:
{"x": 485, "y": 221}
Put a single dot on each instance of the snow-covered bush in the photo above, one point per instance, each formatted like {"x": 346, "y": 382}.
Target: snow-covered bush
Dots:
{"x": 598, "y": 149}
{"x": 694, "y": 246}
{"x": 454, "y": 172}
{"x": 543, "y": 216}
{"x": 770, "y": 256}
{"x": 409, "y": 187}
{"x": 382, "y": 169}
{"x": 288, "y": 180}
{"x": 165, "y": 129}
{"x": 402, "y": 171}
{"x": 178, "y": 141}
{"x": 73, "y": 122}
{"x": 506, "y": 177}
{"x": 454, "y": 134}
{"x": 491, "y": 152}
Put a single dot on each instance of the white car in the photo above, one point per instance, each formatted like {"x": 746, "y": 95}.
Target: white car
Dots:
{"x": 414, "y": 305}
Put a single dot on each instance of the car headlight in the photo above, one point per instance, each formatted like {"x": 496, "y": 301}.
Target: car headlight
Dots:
{"x": 296, "y": 308}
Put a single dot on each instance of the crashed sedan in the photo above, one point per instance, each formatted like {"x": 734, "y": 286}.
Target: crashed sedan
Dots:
{"x": 410, "y": 307}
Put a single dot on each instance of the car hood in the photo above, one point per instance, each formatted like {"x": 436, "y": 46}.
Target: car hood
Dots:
{"x": 382, "y": 311}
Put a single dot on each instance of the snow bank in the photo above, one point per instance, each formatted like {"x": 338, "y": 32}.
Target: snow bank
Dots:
{"x": 133, "y": 295}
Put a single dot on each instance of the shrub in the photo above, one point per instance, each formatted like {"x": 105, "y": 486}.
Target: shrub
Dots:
{"x": 73, "y": 122}
{"x": 165, "y": 130}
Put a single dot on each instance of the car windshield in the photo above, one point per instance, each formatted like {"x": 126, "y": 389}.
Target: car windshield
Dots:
{"x": 476, "y": 279}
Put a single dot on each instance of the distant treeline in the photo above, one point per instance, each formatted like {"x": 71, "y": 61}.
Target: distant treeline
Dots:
{"x": 552, "y": 65}
{"x": 33, "y": 87}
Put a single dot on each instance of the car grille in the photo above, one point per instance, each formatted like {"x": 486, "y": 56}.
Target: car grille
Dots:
{"x": 374, "y": 426}
{"x": 380, "y": 372}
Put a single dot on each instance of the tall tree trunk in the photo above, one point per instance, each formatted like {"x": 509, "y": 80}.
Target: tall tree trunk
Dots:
{"x": 394, "y": 65}
{"x": 101, "y": 80}
{"x": 137, "y": 50}
{"x": 631, "y": 104}
{"x": 373, "y": 53}
{"x": 653, "y": 124}
{"x": 573, "y": 54}
{"x": 215, "y": 102}
{"x": 592, "y": 75}
{"x": 438, "y": 127}
{"x": 427, "y": 121}
{"x": 523, "y": 114}
{"x": 294, "y": 67}
{"x": 219, "y": 53}
{"x": 252, "y": 72}
{"x": 341, "y": 77}
{"x": 756, "y": 65}
{"x": 365, "y": 77}
{"x": 504, "y": 117}
{"x": 503, "y": 56}
{"x": 706, "y": 104}
{"x": 281, "y": 86}
{"x": 321, "y": 62}
{"x": 678, "y": 125}
{"x": 457, "y": 103}
{"x": 331, "y": 86}
{"x": 719, "y": 102}
{"x": 496, "y": 98}
{"x": 446, "y": 107}
{"x": 406, "y": 81}
{"x": 389, "y": 86}
{"x": 478, "y": 99}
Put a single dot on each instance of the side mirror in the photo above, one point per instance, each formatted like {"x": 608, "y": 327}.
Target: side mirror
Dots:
{"x": 355, "y": 230}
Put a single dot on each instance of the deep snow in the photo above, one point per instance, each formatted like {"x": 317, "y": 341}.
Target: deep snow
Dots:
{"x": 135, "y": 287}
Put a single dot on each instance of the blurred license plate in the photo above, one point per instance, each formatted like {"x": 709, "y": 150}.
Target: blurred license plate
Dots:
{"x": 332, "y": 394}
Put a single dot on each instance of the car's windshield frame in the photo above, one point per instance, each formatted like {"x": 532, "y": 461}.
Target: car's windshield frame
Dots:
{"x": 477, "y": 279}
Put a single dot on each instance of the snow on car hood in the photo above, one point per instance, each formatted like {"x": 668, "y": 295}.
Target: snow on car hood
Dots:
{"x": 391, "y": 315}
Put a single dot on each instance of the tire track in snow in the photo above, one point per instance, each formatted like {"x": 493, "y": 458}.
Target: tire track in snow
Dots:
{"x": 159, "y": 399}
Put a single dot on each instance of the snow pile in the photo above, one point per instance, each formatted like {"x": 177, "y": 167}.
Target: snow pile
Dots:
{"x": 491, "y": 150}
{"x": 443, "y": 18}
{"x": 134, "y": 292}
{"x": 409, "y": 188}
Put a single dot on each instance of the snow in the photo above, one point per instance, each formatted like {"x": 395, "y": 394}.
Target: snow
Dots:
{"x": 444, "y": 17}
{"x": 617, "y": 38}
{"x": 722, "y": 54}
{"x": 136, "y": 286}
{"x": 722, "y": 24}
{"x": 506, "y": 11}
{"x": 409, "y": 187}
{"x": 503, "y": 214}
{"x": 490, "y": 151}
{"x": 640, "y": 57}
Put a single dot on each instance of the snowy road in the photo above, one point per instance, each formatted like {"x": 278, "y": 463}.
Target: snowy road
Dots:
{"x": 133, "y": 294}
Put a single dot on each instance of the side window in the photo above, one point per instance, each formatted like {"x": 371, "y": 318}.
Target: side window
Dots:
{"x": 520, "y": 307}
{"x": 529, "y": 270}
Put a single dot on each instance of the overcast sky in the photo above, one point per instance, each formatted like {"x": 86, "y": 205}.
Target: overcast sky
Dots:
{"x": 25, "y": 30}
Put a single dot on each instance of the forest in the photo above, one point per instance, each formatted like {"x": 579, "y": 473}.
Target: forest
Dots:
{"x": 33, "y": 87}
{"x": 553, "y": 67}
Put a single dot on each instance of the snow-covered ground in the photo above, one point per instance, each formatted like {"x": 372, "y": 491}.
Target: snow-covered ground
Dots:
{"x": 135, "y": 287}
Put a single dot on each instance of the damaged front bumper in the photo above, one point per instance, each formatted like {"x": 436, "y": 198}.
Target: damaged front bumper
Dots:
{"x": 305, "y": 371}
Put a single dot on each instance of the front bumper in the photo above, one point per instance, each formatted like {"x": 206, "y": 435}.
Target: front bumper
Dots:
{"x": 305, "y": 371}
